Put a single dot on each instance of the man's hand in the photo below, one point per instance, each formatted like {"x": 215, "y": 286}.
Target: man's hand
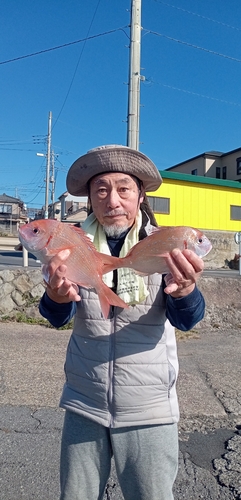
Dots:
{"x": 58, "y": 287}
{"x": 185, "y": 269}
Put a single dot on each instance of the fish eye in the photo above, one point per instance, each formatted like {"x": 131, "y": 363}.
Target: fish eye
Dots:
{"x": 200, "y": 240}
{"x": 36, "y": 230}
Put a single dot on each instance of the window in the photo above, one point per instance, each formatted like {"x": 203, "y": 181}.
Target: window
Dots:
{"x": 235, "y": 212}
{"x": 218, "y": 172}
{"x": 5, "y": 209}
{"x": 194, "y": 172}
{"x": 159, "y": 205}
{"x": 238, "y": 160}
{"x": 224, "y": 172}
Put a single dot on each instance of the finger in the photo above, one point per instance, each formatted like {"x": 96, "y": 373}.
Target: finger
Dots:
{"x": 67, "y": 286}
{"x": 193, "y": 258}
{"x": 74, "y": 295}
{"x": 168, "y": 278}
{"x": 186, "y": 264}
{"x": 58, "y": 260}
{"x": 171, "y": 288}
{"x": 67, "y": 292}
{"x": 176, "y": 262}
{"x": 45, "y": 273}
{"x": 58, "y": 277}
{"x": 171, "y": 285}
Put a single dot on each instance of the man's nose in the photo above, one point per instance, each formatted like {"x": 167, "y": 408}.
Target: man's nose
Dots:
{"x": 113, "y": 199}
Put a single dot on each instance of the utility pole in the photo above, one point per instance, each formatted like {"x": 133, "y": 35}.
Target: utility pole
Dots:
{"x": 134, "y": 76}
{"x": 46, "y": 211}
{"x": 52, "y": 181}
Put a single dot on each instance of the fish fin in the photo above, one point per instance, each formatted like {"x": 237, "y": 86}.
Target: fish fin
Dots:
{"x": 139, "y": 273}
{"x": 83, "y": 236}
{"x": 155, "y": 229}
{"x": 55, "y": 251}
{"x": 110, "y": 263}
{"x": 107, "y": 297}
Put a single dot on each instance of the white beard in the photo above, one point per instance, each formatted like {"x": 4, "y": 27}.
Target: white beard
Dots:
{"x": 114, "y": 231}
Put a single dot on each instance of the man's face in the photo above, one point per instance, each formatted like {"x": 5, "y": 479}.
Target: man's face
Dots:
{"x": 115, "y": 200}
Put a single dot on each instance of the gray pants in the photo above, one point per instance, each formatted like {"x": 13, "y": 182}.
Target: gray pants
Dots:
{"x": 146, "y": 459}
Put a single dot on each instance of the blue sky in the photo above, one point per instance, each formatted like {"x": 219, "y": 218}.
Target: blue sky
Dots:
{"x": 190, "y": 100}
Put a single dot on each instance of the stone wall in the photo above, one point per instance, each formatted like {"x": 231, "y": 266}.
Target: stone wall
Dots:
{"x": 20, "y": 291}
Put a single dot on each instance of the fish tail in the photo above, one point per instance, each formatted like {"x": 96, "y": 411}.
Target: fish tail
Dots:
{"x": 110, "y": 263}
{"x": 107, "y": 297}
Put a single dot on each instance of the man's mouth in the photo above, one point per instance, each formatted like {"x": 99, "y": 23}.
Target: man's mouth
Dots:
{"x": 115, "y": 214}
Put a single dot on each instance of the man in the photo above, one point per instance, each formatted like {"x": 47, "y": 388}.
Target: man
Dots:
{"x": 120, "y": 391}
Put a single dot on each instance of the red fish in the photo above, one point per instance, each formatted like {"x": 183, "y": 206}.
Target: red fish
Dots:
{"x": 45, "y": 238}
{"x": 148, "y": 255}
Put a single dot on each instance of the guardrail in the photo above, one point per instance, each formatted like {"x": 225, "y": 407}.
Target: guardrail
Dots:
{"x": 237, "y": 239}
{"x": 8, "y": 242}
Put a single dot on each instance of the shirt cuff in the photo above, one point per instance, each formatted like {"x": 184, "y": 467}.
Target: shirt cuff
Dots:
{"x": 187, "y": 301}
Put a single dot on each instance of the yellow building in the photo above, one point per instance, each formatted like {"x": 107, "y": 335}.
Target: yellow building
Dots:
{"x": 197, "y": 201}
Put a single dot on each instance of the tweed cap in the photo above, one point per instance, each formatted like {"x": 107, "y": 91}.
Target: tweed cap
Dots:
{"x": 111, "y": 158}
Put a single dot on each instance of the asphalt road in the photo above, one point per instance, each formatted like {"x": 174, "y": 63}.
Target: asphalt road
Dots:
{"x": 14, "y": 258}
{"x": 209, "y": 388}
{"x": 222, "y": 272}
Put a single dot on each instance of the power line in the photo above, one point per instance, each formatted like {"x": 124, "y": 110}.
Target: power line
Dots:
{"x": 198, "y": 15}
{"x": 191, "y": 45}
{"x": 30, "y": 201}
{"x": 8, "y": 142}
{"x": 193, "y": 93}
{"x": 63, "y": 45}
{"x": 77, "y": 65}
{"x": 16, "y": 149}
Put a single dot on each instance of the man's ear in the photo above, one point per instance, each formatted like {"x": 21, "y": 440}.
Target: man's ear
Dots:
{"x": 142, "y": 194}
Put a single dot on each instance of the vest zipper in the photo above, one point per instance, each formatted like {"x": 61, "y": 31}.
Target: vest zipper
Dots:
{"x": 111, "y": 366}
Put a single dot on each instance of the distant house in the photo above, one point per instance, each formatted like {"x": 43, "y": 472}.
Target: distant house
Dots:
{"x": 67, "y": 208}
{"x": 213, "y": 164}
{"x": 73, "y": 209}
{"x": 12, "y": 213}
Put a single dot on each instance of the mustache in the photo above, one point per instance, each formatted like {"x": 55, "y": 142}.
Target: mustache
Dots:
{"x": 115, "y": 212}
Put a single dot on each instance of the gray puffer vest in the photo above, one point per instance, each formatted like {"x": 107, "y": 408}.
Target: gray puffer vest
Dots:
{"x": 122, "y": 371}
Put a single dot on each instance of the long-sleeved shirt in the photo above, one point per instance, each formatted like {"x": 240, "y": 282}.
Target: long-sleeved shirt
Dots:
{"x": 183, "y": 313}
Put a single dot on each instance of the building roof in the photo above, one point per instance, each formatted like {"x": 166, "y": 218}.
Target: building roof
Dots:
{"x": 4, "y": 198}
{"x": 206, "y": 154}
{"x": 199, "y": 179}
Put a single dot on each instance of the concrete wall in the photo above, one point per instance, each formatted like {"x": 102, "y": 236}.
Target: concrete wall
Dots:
{"x": 223, "y": 251}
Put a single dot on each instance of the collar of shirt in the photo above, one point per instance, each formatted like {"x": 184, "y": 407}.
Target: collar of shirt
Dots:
{"x": 115, "y": 244}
